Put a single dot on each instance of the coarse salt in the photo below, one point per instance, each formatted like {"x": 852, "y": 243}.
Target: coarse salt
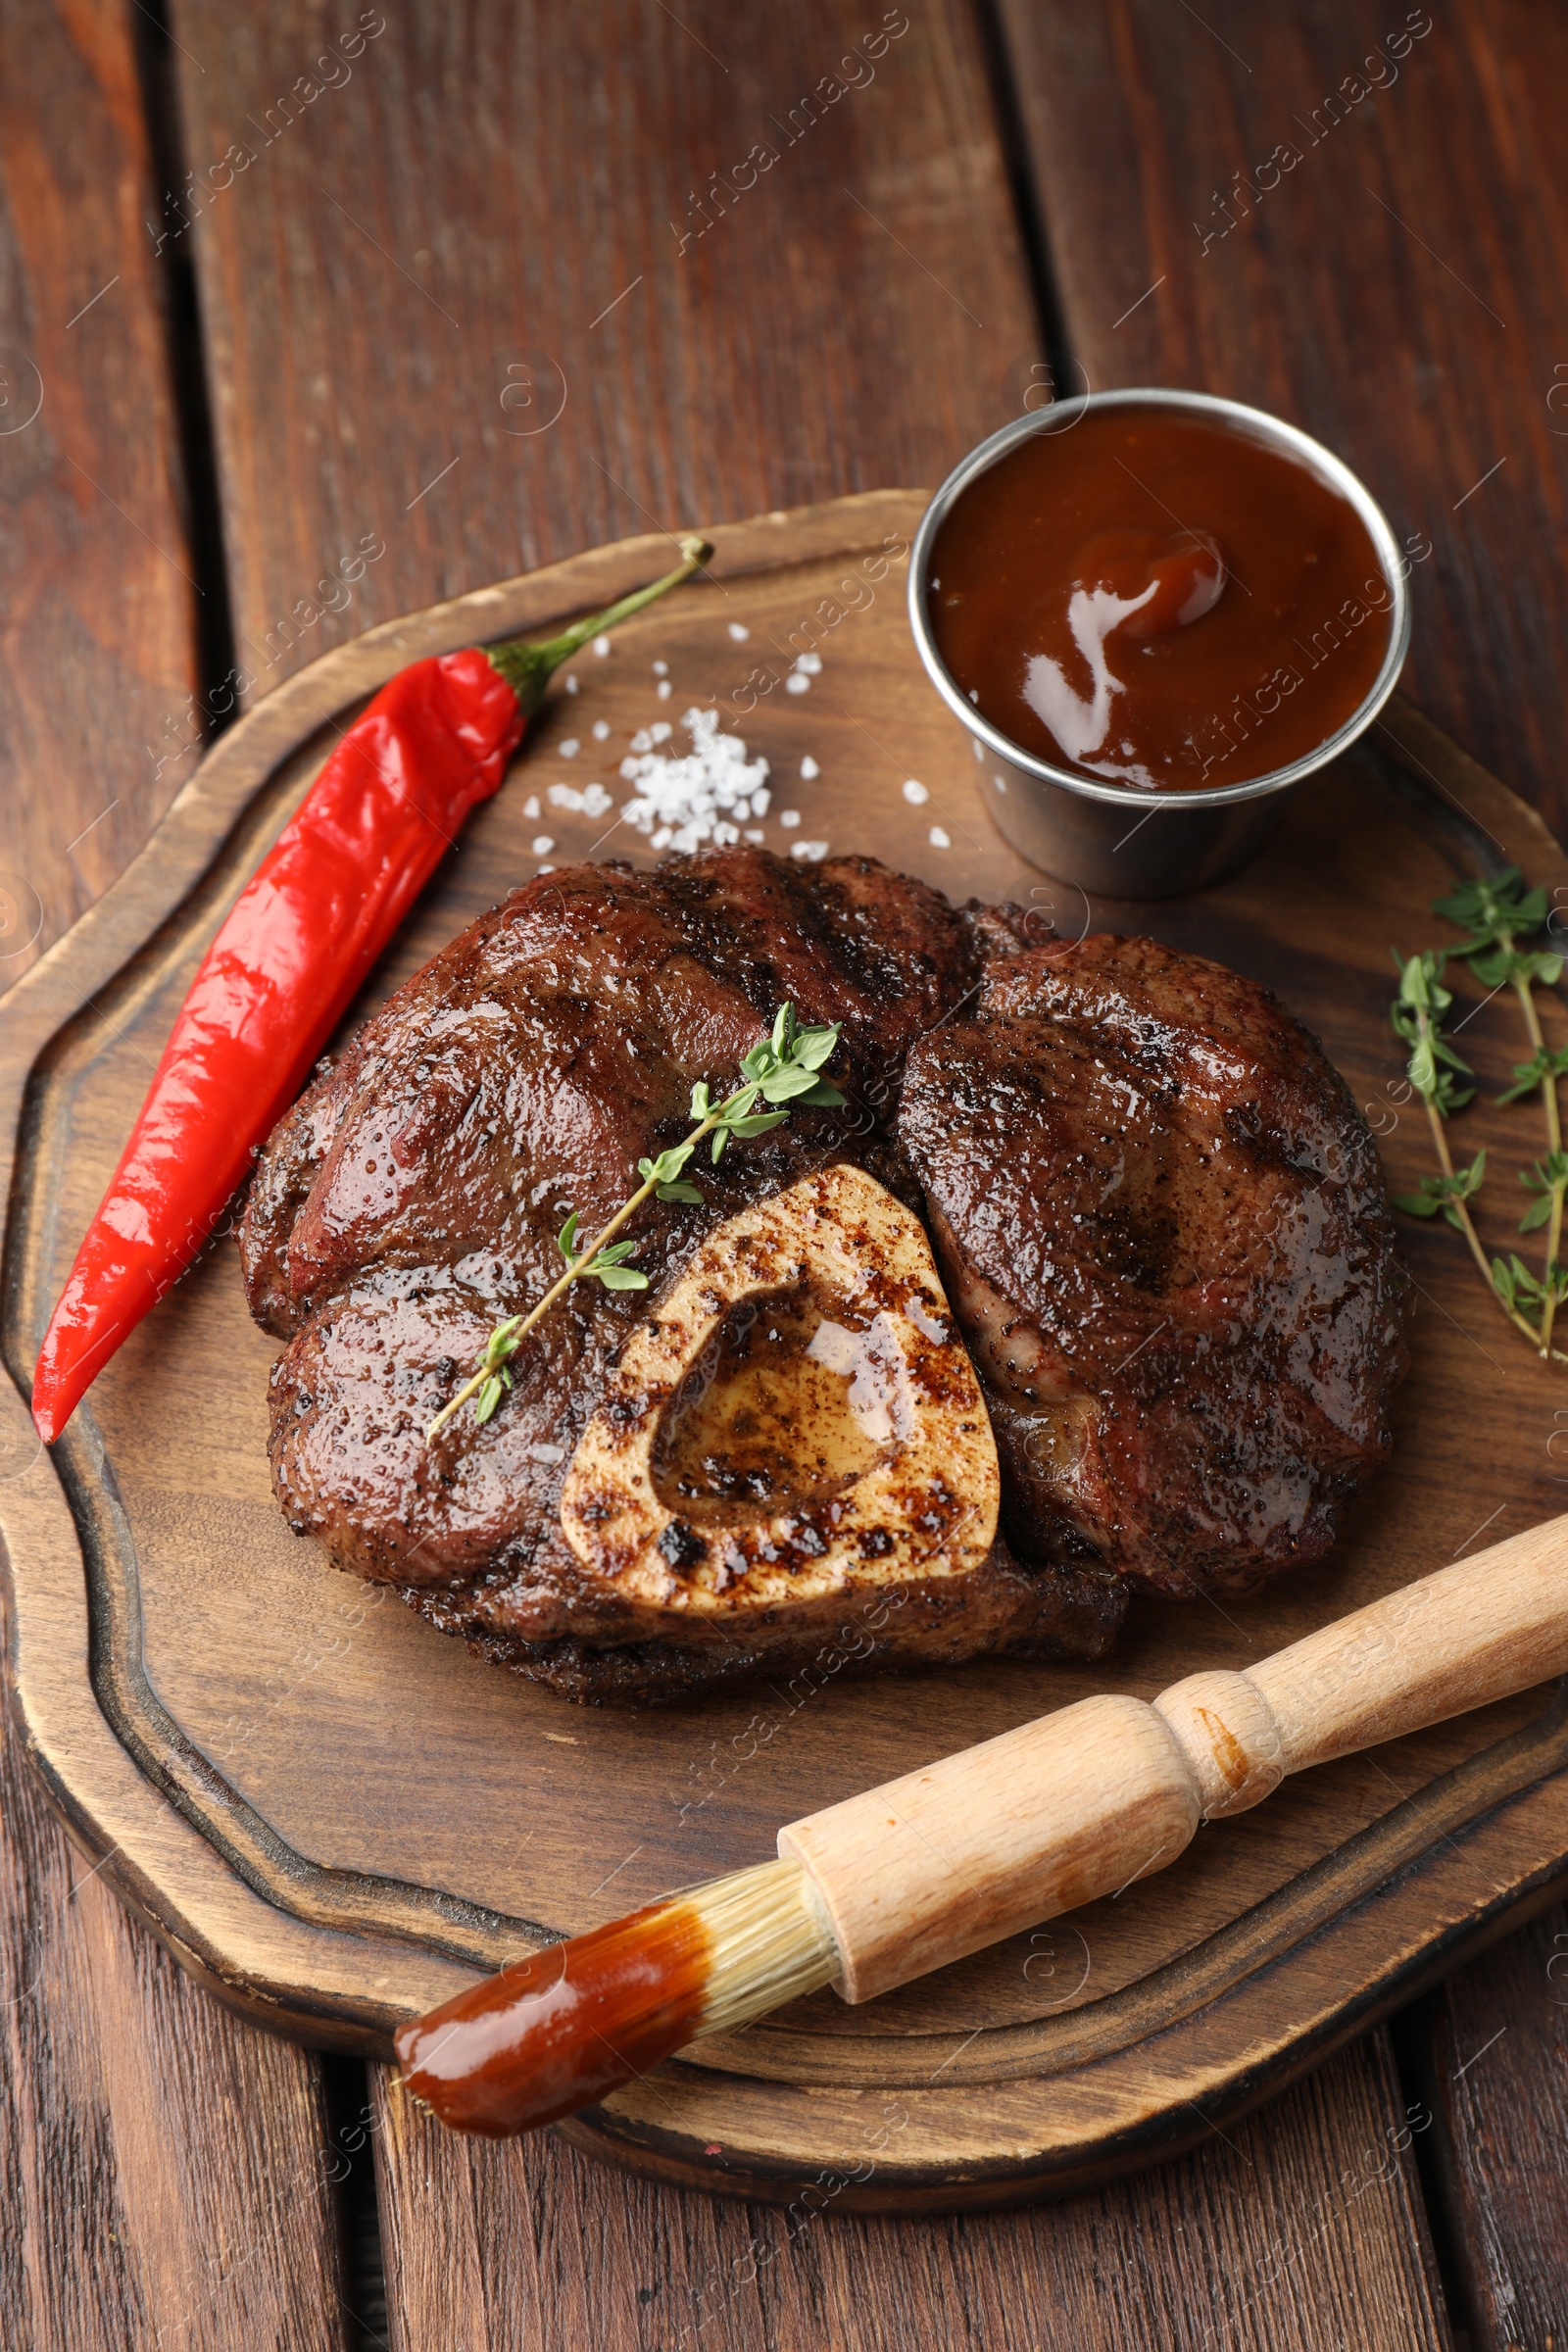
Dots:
{"x": 592, "y": 801}
{"x": 812, "y": 664}
{"x": 660, "y": 669}
{"x": 686, "y": 801}
{"x": 600, "y": 731}
{"x": 601, "y": 647}
{"x": 531, "y": 806}
{"x": 569, "y": 748}
{"x": 916, "y": 794}
{"x": 666, "y": 689}
{"x": 789, "y": 818}
{"x": 739, "y": 631}
{"x": 809, "y": 768}
{"x": 797, "y": 683}
{"x": 940, "y": 837}
{"x": 809, "y": 853}
{"x": 571, "y": 682}
{"x": 543, "y": 845}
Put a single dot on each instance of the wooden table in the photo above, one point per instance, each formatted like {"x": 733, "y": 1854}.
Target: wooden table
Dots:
{"x": 271, "y": 273}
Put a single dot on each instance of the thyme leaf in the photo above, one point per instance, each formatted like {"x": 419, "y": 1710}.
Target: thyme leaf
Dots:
{"x": 783, "y": 1070}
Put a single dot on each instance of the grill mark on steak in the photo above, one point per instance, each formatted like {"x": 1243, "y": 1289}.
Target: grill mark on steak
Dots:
{"x": 1163, "y": 1227}
{"x": 1167, "y": 1237}
{"x": 410, "y": 1202}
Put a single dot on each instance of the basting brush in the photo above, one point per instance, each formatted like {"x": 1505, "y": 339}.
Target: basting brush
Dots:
{"x": 924, "y": 1870}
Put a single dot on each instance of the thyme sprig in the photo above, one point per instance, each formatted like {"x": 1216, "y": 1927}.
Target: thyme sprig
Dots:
{"x": 1434, "y": 1068}
{"x": 783, "y": 1073}
{"x": 1498, "y": 913}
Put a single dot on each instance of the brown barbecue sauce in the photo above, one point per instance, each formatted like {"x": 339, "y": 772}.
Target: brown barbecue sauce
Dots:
{"x": 564, "y": 2028}
{"x": 1159, "y": 599}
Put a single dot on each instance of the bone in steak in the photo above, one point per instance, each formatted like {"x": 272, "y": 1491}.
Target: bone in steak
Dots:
{"x": 410, "y": 1202}
{"x": 1166, "y": 1233}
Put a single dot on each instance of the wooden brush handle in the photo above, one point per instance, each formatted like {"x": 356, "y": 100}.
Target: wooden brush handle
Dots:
{"x": 1077, "y": 1804}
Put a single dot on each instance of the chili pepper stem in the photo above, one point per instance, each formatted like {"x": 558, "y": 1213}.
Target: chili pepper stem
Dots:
{"x": 529, "y": 667}
{"x": 522, "y": 1325}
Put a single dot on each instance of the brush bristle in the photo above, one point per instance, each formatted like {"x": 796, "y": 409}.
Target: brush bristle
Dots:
{"x": 771, "y": 1943}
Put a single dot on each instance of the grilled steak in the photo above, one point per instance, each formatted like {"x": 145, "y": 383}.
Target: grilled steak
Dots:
{"x": 410, "y": 1200}
{"x": 1167, "y": 1237}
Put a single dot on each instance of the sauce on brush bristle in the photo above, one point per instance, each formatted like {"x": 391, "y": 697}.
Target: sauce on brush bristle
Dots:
{"x": 564, "y": 2028}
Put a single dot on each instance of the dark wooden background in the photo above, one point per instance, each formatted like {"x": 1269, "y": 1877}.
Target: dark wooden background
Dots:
{"x": 242, "y": 382}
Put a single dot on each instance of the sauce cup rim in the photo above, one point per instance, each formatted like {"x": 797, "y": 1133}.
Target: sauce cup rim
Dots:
{"x": 1262, "y": 426}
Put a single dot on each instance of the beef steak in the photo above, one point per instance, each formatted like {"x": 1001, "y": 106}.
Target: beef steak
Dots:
{"x": 1166, "y": 1233}
{"x": 410, "y": 1200}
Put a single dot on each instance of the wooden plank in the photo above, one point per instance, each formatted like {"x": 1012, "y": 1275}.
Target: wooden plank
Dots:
{"x": 169, "y": 2174}
{"x": 484, "y": 195}
{"x": 1303, "y": 2227}
{"x": 1492, "y": 2042}
{"x": 1397, "y": 288}
{"x": 477, "y": 191}
{"x": 278, "y": 1712}
{"x": 165, "y": 2168}
{"x": 96, "y": 592}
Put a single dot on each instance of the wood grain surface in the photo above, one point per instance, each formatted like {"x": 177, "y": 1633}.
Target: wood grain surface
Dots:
{"x": 1302, "y": 2228}
{"x": 1399, "y": 289}
{"x": 169, "y": 2171}
{"x": 229, "y": 1660}
{"x": 1488, "y": 2051}
{"x": 319, "y": 362}
{"x": 100, "y": 602}
{"x": 499, "y": 187}
{"x": 163, "y": 2166}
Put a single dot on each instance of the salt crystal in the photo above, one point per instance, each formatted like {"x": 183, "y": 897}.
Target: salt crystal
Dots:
{"x": 978, "y": 748}
{"x": 531, "y": 806}
{"x": 660, "y": 669}
{"x": 809, "y": 853}
{"x": 565, "y": 796}
{"x": 601, "y": 647}
{"x": 916, "y": 794}
{"x": 596, "y": 801}
{"x": 795, "y": 683}
{"x": 569, "y": 748}
{"x": 687, "y": 802}
{"x": 666, "y": 689}
{"x": 739, "y": 631}
{"x": 939, "y": 837}
{"x": 789, "y": 818}
{"x": 757, "y": 836}
{"x": 543, "y": 845}
{"x": 601, "y": 730}
{"x": 809, "y": 768}
{"x": 571, "y": 682}
{"x": 812, "y": 664}
{"x": 546, "y": 869}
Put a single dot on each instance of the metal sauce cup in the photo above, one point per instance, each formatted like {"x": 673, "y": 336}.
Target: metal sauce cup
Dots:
{"x": 1113, "y": 839}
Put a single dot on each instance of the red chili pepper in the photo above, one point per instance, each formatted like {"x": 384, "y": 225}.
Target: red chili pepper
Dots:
{"x": 300, "y": 939}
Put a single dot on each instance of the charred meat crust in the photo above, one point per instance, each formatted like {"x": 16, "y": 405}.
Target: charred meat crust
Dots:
{"x": 1162, "y": 1226}
{"x": 411, "y": 1200}
{"x": 1034, "y": 1612}
{"x": 1167, "y": 1237}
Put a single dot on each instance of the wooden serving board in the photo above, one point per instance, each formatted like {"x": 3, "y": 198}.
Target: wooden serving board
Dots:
{"x": 335, "y": 1816}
